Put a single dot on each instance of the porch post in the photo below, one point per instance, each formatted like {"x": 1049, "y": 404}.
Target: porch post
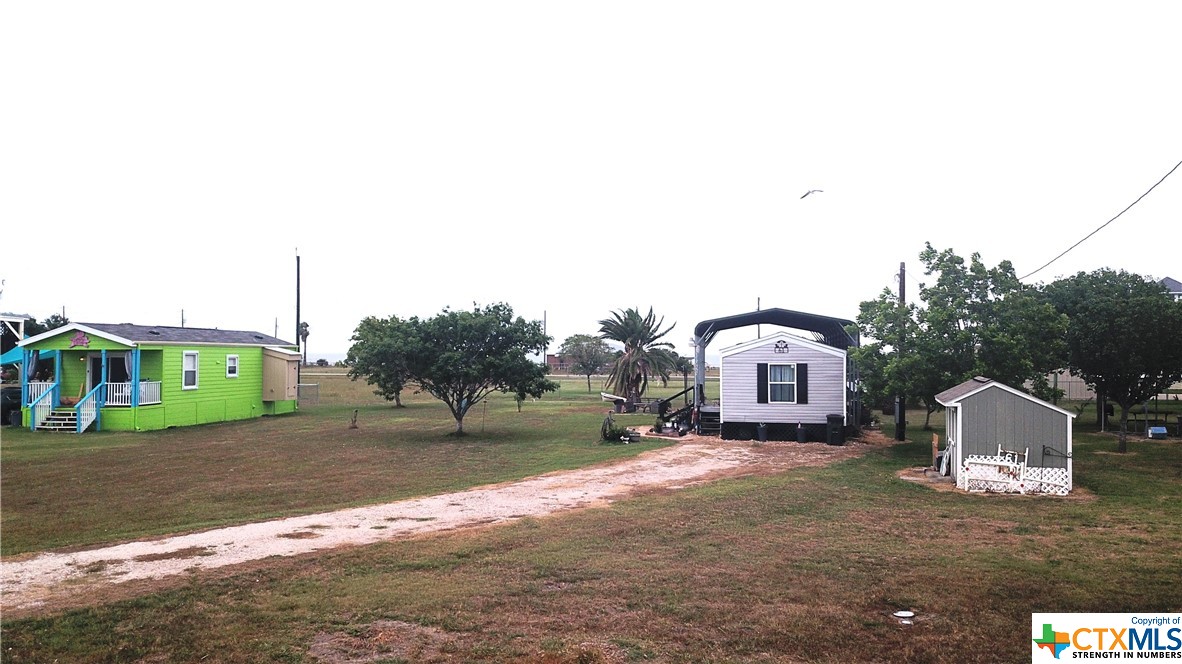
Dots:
{"x": 25, "y": 378}
{"x": 100, "y": 399}
{"x": 135, "y": 378}
{"x": 57, "y": 378}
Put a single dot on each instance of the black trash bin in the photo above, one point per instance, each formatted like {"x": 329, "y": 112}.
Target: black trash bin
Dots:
{"x": 835, "y": 429}
{"x": 14, "y": 418}
{"x": 761, "y": 432}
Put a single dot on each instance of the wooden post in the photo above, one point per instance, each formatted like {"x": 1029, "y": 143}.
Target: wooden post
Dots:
{"x": 935, "y": 448}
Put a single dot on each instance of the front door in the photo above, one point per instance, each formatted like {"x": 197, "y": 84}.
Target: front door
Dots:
{"x": 94, "y": 374}
{"x": 116, "y": 371}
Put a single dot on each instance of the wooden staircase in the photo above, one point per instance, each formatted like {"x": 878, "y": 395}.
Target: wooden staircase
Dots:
{"x": 60, "y": 419}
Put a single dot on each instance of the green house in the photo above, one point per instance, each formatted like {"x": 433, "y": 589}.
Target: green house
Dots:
{"x": 123, "y": 377}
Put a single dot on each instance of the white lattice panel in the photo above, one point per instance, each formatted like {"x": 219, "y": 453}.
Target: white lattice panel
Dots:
{"x": 1048, "y": 480}
{"x": 999, "y": 474}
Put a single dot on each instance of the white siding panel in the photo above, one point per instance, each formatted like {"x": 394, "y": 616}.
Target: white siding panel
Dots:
{"x": 826, "y": 386}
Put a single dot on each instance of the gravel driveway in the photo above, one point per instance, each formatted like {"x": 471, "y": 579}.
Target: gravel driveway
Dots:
{"x": 41, "y": 582}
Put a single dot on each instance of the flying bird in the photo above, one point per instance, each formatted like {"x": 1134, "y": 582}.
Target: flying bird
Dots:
{"x": 812, "y": 191}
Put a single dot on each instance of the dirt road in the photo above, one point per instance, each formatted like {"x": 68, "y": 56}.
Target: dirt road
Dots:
{"x": 45, "y": 582}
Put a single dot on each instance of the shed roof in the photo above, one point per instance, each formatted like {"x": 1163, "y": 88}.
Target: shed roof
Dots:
{"x": 954, "y": 395}
{"x": 162, "y": 334}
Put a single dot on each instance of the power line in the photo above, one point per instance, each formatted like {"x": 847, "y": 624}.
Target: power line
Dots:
{"x": 1163, "y": 178}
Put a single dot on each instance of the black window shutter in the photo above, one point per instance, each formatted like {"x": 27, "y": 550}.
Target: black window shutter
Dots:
{"x": 802, "y": 383}
{"x": 761, "y": 378}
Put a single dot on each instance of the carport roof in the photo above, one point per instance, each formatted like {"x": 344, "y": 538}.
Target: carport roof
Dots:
{"x": 831, "y": 331}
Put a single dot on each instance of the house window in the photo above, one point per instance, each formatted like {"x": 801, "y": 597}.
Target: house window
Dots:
{"x": 231, "y": 366}
{"x": 781, "y": 382}
{"x": 189, "y": 371}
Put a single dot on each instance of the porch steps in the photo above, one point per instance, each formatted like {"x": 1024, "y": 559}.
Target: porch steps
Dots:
{"x": 60, "y": 420}
{"x": 711, "y": 421}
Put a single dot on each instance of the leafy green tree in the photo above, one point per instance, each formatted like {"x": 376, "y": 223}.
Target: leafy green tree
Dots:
{"x": 1124, "y": 336}
{"x": 919, "y": 371}
{"x": 587, "y": 354}
{"x": 974, "y": 320}
{"x": 644, "y": 355}
{"x": 991, "y": 322}
{"x": 376, "y": 356}
{"x": 461, "y": 357}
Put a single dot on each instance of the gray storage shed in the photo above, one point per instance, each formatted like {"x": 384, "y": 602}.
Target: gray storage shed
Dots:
{"x": 995, "y": 428}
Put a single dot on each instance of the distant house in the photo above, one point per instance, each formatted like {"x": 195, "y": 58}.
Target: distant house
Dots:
{"x": 558, "y": 363}
{"x": 125, "y": 377}
{"x": 1173, "y": 286}
{"x": 1002, "y": 439}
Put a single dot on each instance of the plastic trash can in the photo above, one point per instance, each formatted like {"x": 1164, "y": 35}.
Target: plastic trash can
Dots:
{"x": 835, "y": 429}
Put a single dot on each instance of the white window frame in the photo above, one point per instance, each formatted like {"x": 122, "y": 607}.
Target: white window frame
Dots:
{"x": 771, "y": 383}
{"x": 196, "y": 370}
{"x": 231, "y": 361}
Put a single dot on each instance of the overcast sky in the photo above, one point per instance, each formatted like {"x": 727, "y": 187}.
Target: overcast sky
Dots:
{"x": 569, "y": 159}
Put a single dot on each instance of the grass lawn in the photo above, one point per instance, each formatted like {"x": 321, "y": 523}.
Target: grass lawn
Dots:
{"x": 64, "y": 490}
{"x": 803, "y": 566}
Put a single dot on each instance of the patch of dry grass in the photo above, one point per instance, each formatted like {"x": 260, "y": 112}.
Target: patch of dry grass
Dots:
{"x": 805, "y": 565}
{"x": 64, "y": 490}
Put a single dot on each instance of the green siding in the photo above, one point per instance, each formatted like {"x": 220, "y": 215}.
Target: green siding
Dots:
{"x": 149, "y": 418}
{"x": 217, "y": 397}
{"x": 279, "y": 407}
{"x": 73, "y": 373}
{"x": 180, "y": 415}
{"x": 118, "y": 419}
{"x": 62, "y": 342}
{"x": 151, "y": 364}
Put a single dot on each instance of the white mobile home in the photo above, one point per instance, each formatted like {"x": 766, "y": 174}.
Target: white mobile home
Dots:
{"x": 793, "y": 386}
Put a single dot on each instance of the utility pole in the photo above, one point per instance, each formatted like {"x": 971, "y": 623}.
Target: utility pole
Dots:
{"x": 901, "y": 399}
{"x": 299, "y": 368}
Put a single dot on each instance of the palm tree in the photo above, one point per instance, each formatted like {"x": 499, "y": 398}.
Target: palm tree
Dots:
{"x": 643, "y": 355}
{"x": 684, "y": 366}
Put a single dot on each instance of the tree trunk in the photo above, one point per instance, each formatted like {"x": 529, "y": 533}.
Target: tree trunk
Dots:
{"x": 927, "y": 420}
{"x": 588, "y": 383}
{"x": 1101, "y": 407}
{"x": 459, "y": 425}
{"x": 398, "y": 400}
{"x": 1122, "y": 444}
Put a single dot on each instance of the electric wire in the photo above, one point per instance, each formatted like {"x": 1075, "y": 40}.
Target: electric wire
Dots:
{"x": 1163, "y": 178}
